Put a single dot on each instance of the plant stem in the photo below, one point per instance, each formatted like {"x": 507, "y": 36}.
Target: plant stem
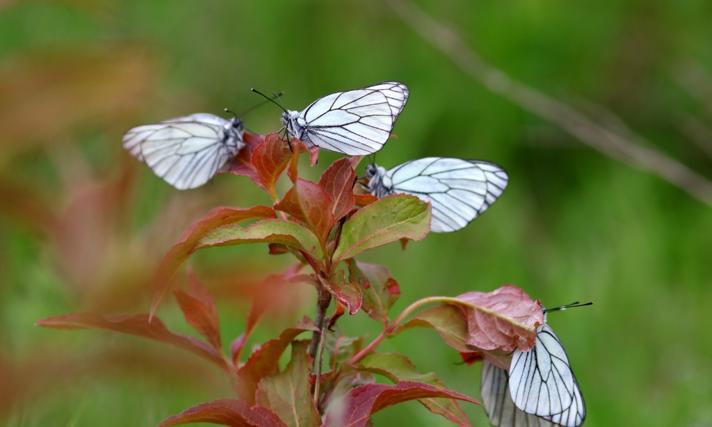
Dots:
{"x": 389, "y": 329}
{"x": 317, "y": 341}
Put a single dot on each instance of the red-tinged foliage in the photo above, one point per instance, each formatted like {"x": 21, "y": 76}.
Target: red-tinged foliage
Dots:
{"x": 363, "y": 200}
{"x": 311, "y": 204}
{"x": 397, "y": 367}
{"x": 264, "y": 159}
{"x": 199, "y": 310}
{"x": 345, "y": 291}
{"x": 447, "y": 320}
{"x": 363, "y": 401}
{"x": 472, "y": 357}
{"x": 180, "y": 251}
{"x": 380, "y": 290}
{"x": 229, "y": 412}
{"x": 139, "y": 325}
{"x": 288, "y": 393}
{"x": 264, "y": 360}
{"x": 504, "y": 319}
{"x": 266, "y": 298}
{"x": 338, "y": 181}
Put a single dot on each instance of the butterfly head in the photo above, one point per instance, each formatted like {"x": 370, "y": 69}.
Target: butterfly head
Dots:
{"x": 294, "y": 123}
{"x": 379, "y": 183}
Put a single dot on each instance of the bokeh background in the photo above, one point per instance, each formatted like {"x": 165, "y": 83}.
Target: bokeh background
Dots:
{"x": 82, "y": 224}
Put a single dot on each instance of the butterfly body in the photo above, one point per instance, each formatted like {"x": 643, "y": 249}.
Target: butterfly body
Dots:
{"x": 187, "y": 151}
{"x": 355, "y": 122}
{"x": 458, "y": 190}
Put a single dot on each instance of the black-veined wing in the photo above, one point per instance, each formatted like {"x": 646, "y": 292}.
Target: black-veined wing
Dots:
{"x": 542, "y": 383}
{"x": 458, "y": 190}
{"x": 356, "y": 122}
{"x": 498, "y": 403}
{"x": 186, "y": 151}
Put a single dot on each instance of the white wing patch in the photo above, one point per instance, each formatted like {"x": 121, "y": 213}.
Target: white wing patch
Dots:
{"x": 186, "y": 151}
{"x": 542, "y": 383}
{"x": 356, "y": 122}
{"x": 458, "y": 190}
{"x": 498, "y": 403}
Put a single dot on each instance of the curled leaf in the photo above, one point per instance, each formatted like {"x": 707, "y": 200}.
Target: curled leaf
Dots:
{"x": 309, "y": 203}
{"x": 504, "y": 319}
{"x": 380, "y": 290}
{"x": 199, "y": 310}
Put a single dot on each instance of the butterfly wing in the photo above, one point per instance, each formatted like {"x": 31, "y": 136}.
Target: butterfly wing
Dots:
{"x": 542, "y": 383}
{"x": 356, "y": 122}
{"x": 458, "y": 190}
{"x": 498, "y": 403}
{"x": 186, "y": 151}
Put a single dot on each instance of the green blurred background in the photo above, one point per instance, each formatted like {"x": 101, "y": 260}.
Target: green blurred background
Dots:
{"x": 82, "y": 224}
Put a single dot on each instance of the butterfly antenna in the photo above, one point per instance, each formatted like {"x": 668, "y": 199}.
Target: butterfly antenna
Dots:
{"x": 269, "y": 99}
{"x": 229, "y": 111}
{"x": 373, "y": 158}
{"x": 568, "y": 306}
{"x": 272, "y": 98}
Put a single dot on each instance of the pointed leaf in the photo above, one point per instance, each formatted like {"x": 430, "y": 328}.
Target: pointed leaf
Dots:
{"x": 448, "y": 321}
{"x": 387, "y": 220}
{"x": 380, "y": 290}
{"x": 397, "y": 367}
{"x": 229, "y": 412}
{"x": 288, "y": 393}
{"x": 365, "y": 400}
{"x": 199, "y": 310}
{"x": 310, "y": 204}
{"x": 504, "y": 319}
{"x": 139, "y": 325}
{"x": 338, "y": 182}
{"x": 271, "y": 158}
{"x": 279, "y": 231}
{"x": 264, "y": 361}
{"x": 188, "y": 244}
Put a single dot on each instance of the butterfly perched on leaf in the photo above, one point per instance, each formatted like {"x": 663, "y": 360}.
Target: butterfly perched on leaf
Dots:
{"x": 187, "y": 151}
{"x": 540, "y": 389}
{"x": 458, "y": 190}
{"x": 355, "y": 122}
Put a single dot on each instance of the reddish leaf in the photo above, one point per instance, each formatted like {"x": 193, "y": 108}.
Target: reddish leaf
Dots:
{"x": 471, "y": 357}
{"x": 139, "y": 325}
{"x": 397, "y": 367}
{"x": 338, "y": 182}
{"x": 363, "y": 200}
{"x": 180, "y": 251}
{"x": 199, "y": 310}
{"x": 309, "y": 203}
{"x": 504, "y": 319}
{"x": 288, "y": 393}
{"x": 345, "y": 291}
{"x": 262, "y": 301}
{"x": 264, "y": 360}
{"x": 363, "y": 401}
{"x": 387, "y": 220}
{"x": 271, "y": 158}
{"x": 380, "y": 290}
{"x": 242, "y": 163}
{"x": 229, "y": 412}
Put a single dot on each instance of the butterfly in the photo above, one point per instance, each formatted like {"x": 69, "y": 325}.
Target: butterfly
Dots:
{"x": 187, "y": 151}
{"x": 355, "y": 122}
{"x": 458, "y": 190}
{"x": 540, "y": 388}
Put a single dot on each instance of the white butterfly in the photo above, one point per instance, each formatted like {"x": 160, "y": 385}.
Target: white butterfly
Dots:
{"x": 187, "y": 151}
{"x": 458, "y": 190}
{"x": 498, "y": 403}
{"x": 542, "y": 383}
{"x": 356, "y": 122}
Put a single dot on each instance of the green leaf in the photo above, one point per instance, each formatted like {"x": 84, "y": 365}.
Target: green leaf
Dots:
{"x": 288, "y": 393}
{"x": 448, "y": 321}
{"x": 397, "y": 367}
{"x": 280, "y": 231}
{"x": 385, "y": 221}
